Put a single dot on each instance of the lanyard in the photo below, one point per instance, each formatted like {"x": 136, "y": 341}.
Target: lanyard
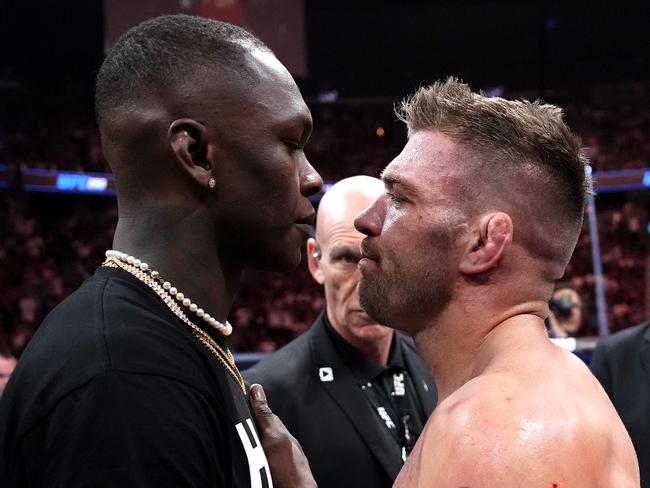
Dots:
{"x": 393, "y": 384}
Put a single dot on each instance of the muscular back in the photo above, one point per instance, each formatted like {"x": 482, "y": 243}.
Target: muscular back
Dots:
{"x": 534, "y": 419}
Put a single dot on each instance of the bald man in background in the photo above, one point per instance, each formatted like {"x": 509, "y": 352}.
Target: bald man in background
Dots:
{"x": 353, "y": 392}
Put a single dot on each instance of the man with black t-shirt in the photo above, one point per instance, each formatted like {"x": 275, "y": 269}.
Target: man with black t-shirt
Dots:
{"x": 129, "y": 382}
{"x": 369, "y": 392}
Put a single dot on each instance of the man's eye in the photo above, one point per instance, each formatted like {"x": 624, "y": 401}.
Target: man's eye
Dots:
{"x": 292, "y": 145}
{"x": 349, "y": 259}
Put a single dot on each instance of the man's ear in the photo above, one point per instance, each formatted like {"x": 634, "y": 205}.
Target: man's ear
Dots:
{"x": 490, "y": 242}
{"x": 188, "y": 139}
{"x": 313, "y": 260}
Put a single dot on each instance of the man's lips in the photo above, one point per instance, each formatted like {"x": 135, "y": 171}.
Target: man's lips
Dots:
{"x": 304, "y": 224}
{"x": 367, "y": 253}
{"x": 304, "y": 228}
{"x": 306, "y": 219}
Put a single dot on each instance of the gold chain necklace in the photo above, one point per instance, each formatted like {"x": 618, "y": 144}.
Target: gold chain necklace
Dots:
{"x": 117, "y": 256}
{"x": 152, "y": 280}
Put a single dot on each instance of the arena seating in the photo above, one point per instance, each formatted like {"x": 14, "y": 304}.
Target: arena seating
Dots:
{"x": 50, "y": 243}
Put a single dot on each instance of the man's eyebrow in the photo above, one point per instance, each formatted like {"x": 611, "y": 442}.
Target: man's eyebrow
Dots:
{"x": 338, "y": 250}
{"x": 299, "y": 122}
{"x": 306, "y": 120}
{"x": 391, "y": 180}
{"x": 307, "y": 126}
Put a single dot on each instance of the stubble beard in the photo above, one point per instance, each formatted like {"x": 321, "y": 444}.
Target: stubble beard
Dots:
{"x": 404, "y": 298}
{"x": 373, "y": 294}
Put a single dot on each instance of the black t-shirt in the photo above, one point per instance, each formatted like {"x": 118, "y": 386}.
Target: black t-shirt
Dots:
{"x": 113, "y": 390}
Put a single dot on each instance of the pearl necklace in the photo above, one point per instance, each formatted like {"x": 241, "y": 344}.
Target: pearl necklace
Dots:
{"x": 173, "y": 292}
{"x": 151, "y": 278}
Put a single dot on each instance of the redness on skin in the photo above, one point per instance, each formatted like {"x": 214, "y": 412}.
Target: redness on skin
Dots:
{"x": 555, "y": 485}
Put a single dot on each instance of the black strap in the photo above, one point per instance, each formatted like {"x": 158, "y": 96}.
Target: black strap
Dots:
{"x": 394, "y": 414}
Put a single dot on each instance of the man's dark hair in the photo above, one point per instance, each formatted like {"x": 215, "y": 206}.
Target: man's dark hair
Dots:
{"x": 160, "y": 52}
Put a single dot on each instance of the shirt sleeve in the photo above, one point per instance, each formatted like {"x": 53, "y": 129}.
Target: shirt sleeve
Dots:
{"x": 125, "y": 429}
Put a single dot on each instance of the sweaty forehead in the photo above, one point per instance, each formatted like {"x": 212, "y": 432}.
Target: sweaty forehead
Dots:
{"x": 276, "y": 91}
{"x": 430, "y": 160}
{"x": 266, "y": 97}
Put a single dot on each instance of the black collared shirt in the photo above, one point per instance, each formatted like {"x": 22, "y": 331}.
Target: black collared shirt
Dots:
{"x": 389, "y": 389}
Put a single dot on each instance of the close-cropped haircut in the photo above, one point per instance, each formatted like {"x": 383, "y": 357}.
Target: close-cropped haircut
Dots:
{"x": 522, "y": 154}
{"x": 519, "y": 135}
{"x": 162, "y": 51}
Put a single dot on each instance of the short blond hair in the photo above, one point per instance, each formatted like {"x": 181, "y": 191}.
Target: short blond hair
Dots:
{"x": 514, "y": 139}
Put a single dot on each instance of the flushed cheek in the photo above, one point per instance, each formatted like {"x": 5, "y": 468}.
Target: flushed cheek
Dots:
{"x": 397, "y": 232}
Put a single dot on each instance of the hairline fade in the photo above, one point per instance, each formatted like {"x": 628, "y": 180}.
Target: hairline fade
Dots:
{"x": 160, "y": 52}
{"x": 517, "y": 139}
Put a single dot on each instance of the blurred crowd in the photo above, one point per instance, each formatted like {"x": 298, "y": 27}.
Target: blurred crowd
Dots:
{"x": 350, "y": 137}
{"x": 50, "y": 243}
{"x": 625, "y": 249}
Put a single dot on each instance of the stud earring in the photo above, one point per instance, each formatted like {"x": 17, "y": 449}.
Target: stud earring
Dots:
{"x": 212, "y": 183}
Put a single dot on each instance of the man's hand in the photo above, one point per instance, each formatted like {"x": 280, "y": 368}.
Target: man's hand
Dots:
{"x": 288, "y": 464}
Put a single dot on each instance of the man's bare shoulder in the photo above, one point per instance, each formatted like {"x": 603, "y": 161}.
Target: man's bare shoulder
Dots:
{"x": 502, "y": 430}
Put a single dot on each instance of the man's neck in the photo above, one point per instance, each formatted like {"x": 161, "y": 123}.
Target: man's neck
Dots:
{"x": 556, "y": 328}
{"x": 458, "y": 346}
{"x": 178, "y": 244}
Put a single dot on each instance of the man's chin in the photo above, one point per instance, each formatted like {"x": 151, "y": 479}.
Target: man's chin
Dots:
{"x": 373, "y": 331}
{"x": 361, "y": 320}
{"x": 369, "y": 299}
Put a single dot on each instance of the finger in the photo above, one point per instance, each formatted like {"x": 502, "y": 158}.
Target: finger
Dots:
{"x": 258, "y": 402}
{"x": 270, "y": 428}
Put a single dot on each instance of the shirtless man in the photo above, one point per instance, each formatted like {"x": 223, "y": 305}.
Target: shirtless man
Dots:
{"x": 459, "y": 254}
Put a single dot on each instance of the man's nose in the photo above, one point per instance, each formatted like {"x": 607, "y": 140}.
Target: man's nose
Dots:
{"x": 310, "y": 181}
{"x": 369, "y": 221}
